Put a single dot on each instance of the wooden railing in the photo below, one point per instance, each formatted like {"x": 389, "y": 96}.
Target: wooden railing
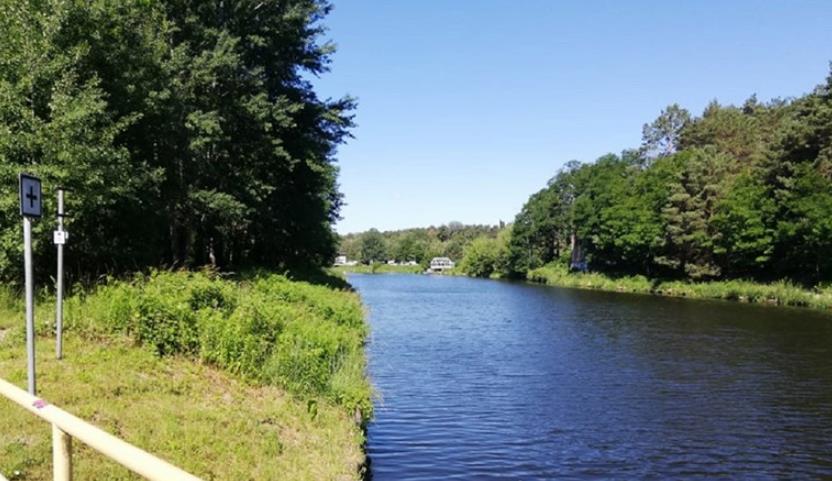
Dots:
{"x": 66, "y": 427}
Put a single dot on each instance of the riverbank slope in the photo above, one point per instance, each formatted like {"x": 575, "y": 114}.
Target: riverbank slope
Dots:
{"x": 377, "y": 269}
{"x": 261, "y": 378}
{"x": 781, "y": 293}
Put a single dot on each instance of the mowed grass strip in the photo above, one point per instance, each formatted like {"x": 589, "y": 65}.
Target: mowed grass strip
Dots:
{"x": 197, "y": 417}
{"x": 377, "y": 269}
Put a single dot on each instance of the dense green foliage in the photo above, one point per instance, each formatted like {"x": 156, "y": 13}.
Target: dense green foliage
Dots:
{"x": 373, "y": 247}
{"x": 740, "y": 192}
{"x": 308, "y": 339}
{"x": 417, "y": 244}
{"x": 486, "y": 256}
{"x": 187, "y": 132}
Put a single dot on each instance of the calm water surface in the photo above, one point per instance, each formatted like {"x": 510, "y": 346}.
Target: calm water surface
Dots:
{"x": 487, "y": 380}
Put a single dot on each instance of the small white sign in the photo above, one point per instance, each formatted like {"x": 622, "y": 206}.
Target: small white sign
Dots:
{"x": 30, "y": 198}
{"x": 59, "y": 237}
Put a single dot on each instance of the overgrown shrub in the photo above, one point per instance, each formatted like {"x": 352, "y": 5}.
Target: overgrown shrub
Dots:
{"x": 306, "y": 338}
{"x": 486, "y": 256}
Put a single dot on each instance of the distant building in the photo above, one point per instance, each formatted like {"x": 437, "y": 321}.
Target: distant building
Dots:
{"x": 341, "y": 261}
{"x": 439, "y": 264}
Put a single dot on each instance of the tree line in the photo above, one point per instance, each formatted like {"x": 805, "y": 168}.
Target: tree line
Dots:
{"x": 187, "y": 133}
{"x": 739, "y": 192}
{"x": 416, "y": 244}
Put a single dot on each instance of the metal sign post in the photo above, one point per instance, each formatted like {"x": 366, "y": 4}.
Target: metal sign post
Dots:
{"x": 59, "y": 238}
{"x": 30, "y": 207}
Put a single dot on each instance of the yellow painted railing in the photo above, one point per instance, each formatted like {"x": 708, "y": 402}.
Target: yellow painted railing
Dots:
{"x": 66, "y": 427}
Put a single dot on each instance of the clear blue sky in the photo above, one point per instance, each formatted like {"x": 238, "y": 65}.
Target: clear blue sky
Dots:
{"x": 467, "y": 107}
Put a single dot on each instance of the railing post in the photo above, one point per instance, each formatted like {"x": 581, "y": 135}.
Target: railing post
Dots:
{"x": 65, "y": 427}
{"x": 61, "y": 454}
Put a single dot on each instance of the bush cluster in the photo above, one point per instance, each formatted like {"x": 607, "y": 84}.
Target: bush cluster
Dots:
{"x": 305, "y": 338}
{"x": 486, "y": 256}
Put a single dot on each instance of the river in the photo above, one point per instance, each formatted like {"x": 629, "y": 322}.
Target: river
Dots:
{"x": 490, "y": 380}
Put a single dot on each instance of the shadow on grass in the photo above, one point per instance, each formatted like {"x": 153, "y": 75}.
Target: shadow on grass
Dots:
{"x": 316, "y": 276}
{"x": 321, "y": 278}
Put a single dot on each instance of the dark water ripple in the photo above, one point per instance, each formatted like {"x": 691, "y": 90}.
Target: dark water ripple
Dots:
{"x": 485, "y": 380}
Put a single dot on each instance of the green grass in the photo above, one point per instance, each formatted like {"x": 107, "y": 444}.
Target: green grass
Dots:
{"x": 377, "y": 269}
{"x": 257, "y": 379}
{"x": 781, "y": 293}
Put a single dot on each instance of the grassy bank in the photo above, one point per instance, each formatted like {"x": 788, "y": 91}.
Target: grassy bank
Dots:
{"x": 377, "y": 269}
{"x": 257, "y": 379}
{"x": 781, "y": 293}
